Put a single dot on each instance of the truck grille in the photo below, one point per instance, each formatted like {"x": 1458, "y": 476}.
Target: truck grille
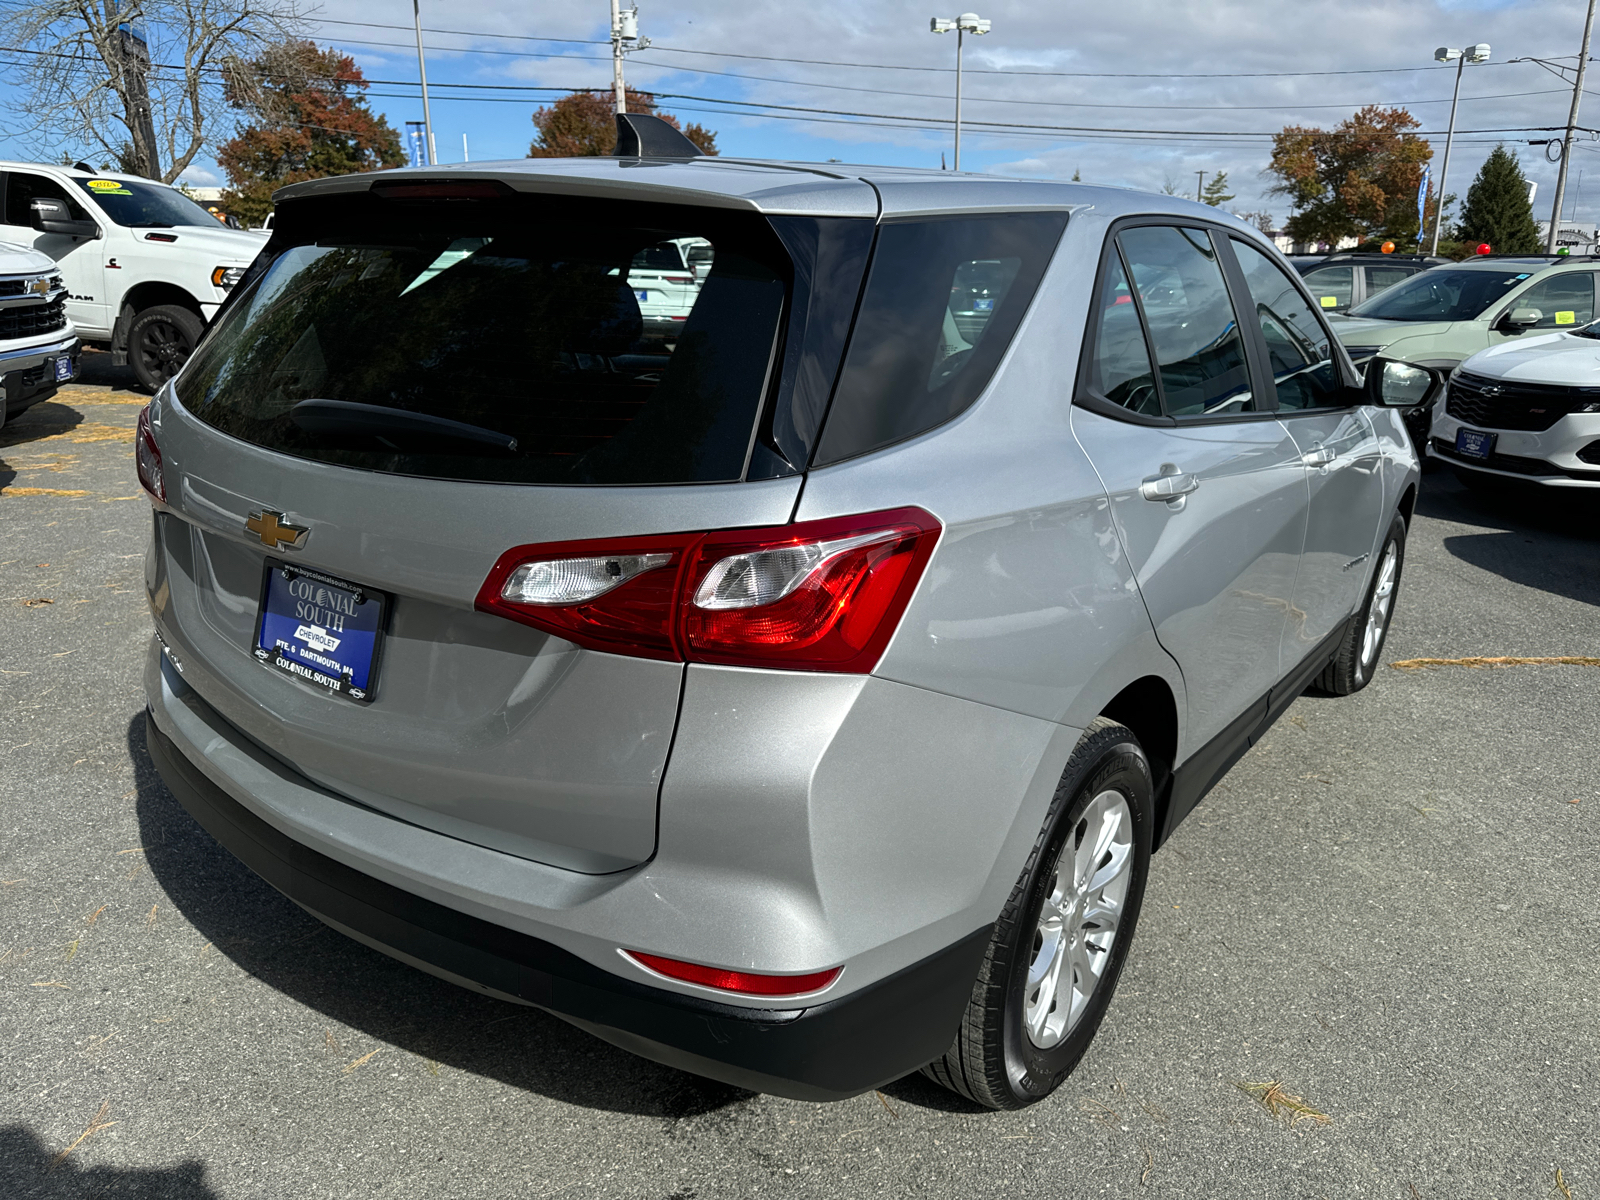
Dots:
{"x": 10, "y": 288}
{"x": 1531, "y": 407}
{"x": 29, "y": 320}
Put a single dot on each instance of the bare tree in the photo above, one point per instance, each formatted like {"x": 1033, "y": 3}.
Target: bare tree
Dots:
{"x": 140, "y": 84}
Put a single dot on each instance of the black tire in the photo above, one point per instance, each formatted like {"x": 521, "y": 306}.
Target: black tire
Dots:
{"x": 160, "y": 340}
{"x": 994, "y": 1060}
{"x": 1352, "y": 667}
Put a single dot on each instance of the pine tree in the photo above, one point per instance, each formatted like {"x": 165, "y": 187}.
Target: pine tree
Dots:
{"x": 1216, "y": 192}
{"x": 585, "y": 123}
{"x": 308, "y": 120}
{"x": 1497, "y": 209}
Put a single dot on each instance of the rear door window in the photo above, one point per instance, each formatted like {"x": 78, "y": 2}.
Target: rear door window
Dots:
{"x": 1379, "y": 278}
{"x": 504, "y": 343}
{"x": 1121, "y": 369}
{"x": 1564, "y": 301}
{"x": 1298, "y": 347}
{"x": 1333, "y": 287}
{"x": 1200, "y": 357}
{"x": 942, "y": 301}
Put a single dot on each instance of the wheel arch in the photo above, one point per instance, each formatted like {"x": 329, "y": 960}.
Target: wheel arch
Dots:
{"x": 145, "y": 295}
{"x": 1408, "y": 503}
{"x": 1148, "y": 707}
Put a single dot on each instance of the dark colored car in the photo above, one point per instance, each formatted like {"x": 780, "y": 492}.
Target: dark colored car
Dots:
{"x": 1341, "y": 281}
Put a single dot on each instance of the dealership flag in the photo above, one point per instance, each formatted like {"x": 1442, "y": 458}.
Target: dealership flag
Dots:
{"x": 1422, "y": 195}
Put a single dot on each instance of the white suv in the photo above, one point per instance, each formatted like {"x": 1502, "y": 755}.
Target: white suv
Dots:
{"x": 1525, "y": 410}
{"x": 38, "y": 345}
{"x": 144, "y": 266}
{"x": 665, "y": 279}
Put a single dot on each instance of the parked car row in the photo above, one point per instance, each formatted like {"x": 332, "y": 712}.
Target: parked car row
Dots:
{"x": 1501, "y": 356}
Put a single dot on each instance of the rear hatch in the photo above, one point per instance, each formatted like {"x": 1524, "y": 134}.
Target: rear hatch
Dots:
{"x": 406, "y": 387}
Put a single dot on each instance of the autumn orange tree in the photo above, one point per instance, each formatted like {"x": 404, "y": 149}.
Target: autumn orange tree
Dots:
{"x": 1359, "y": 180}
{"x": 307, "y": 119}
{"x": 584, "y": 123}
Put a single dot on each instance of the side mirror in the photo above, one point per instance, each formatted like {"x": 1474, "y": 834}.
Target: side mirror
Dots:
{"x": 51, "y": 216}
{"x": 1519, "y": 319}
{"x": 1398, "y": 385}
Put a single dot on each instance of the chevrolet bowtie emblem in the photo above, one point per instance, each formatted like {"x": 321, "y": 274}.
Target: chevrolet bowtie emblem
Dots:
{"x": 274, "y": 531}
{"x": 39, "y": 287}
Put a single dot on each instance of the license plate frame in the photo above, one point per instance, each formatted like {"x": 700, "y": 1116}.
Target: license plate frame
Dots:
{"x": 63, "y": 369}
{"x": 1475, "y": 443}
{"x": 355, "y": 619}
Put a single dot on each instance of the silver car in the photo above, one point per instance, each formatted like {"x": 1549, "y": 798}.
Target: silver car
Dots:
{"x": 799, "y": 706}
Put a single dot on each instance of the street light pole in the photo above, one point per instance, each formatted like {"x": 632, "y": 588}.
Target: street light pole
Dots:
{"x": 1476, "y": 54}
{"x": 624, "y": 38}
{"x": 422, "y": 70}
{"x": 1566, "y": 142}
{"x": 964, "y": 24}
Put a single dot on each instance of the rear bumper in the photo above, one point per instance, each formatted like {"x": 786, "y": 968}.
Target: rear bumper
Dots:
{"x": 830, "y": 1051}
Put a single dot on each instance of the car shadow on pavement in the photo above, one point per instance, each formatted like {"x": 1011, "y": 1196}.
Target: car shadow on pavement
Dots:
{"x": 29, "y": 1171}
{"x": 277, "y": 942}
{"x": 1543, "y": 538}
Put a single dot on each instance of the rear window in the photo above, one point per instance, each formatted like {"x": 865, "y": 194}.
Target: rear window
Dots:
{"x": 503, "y": 341}
{"x": 942, "y": 301}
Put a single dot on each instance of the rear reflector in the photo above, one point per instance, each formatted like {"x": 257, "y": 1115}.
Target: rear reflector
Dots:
{"x": 147, "y": 458}
{"x": 818, "y": 596}
{"x": 745, "y": 982}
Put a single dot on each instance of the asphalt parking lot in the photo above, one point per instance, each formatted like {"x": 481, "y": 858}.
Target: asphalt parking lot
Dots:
{"x": 1391, "y": 908}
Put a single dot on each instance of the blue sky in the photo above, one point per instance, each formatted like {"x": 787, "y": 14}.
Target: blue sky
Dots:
{"x": 1221, "y": 74}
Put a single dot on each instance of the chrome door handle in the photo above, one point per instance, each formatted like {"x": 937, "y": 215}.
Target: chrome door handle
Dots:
{"x": 1174, "y": 486}
{"x": 1319, "y": 456}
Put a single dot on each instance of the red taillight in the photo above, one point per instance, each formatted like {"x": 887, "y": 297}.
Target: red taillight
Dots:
{"x": 747, "y": 982}
{"x": 819, "y": 596}
{"x": 631, "y": 616}
{"x": 147, "y": 458}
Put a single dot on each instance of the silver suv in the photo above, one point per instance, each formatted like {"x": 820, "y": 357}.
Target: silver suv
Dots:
{"x": 799, "y": 706}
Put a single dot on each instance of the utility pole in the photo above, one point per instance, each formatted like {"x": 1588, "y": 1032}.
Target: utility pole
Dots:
{"x": 1566, "y": 142}
{"x": 1200, "y": 188}
{"x": 624, "y": 40}
{"x": 422, "y": 70}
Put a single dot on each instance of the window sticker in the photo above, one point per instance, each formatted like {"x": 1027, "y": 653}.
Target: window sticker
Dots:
{"x": 1330, "y": 302}
{"x": 105, "y": 185}
{"x": 1566, "y": 318}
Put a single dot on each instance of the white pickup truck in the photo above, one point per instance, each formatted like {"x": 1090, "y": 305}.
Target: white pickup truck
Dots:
{"x": 145, "y": 267}
{"x": 38, "y": 345}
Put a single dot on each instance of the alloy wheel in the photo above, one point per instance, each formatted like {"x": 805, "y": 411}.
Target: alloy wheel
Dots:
{"x": 163, "y": 348}
{"x": 1382, "y": 601}
{"x": 1079, "y": 920}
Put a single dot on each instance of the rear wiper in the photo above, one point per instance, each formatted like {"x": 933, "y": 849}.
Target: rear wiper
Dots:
{"x": 355, "y": 426}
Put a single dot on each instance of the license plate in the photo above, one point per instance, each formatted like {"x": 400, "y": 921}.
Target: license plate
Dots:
{"x": 323, "y": 630}
{"x": 1474, "y": 443}
{"x": 641, "y": 296}
{"x": 63, "y": 368}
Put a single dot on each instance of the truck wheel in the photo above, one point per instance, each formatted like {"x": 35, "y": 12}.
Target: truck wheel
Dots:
{"x": 1063, "y": 935}
{"x": 160, "y": 340}
{"x": 1351, "y": 668}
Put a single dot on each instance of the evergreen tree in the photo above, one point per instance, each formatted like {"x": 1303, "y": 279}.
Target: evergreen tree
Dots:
{"x": 1497, "y": 209}
{"x": 308, "y": 120}
{"x": 585, "y": 123}
{"x": 1216, "y": 192}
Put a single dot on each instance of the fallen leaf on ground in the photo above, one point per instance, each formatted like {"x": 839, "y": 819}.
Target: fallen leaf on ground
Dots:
{"x": 1565, "y": 660}
{"x": 95, "y": 1126}
{"x": 1289, "y": 1109}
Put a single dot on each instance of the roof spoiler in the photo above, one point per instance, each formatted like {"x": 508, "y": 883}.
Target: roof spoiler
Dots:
{"x": 641, "y": 136}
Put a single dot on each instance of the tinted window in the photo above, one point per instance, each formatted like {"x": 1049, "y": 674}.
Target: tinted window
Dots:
{"x": 1198, "y": 349}
{"x": 942, "y": 301}
{"x": 1379, "y": 278}
{"x": 22, "y": 189}
{"x": 1441, "y": 294}
{"x": 498, "y": 342}
{"x": 1121, "y": 368}
{"x": 1332, "y": 286}
{"x": 1562, "y": 299}
{"x": 130, "y": 202}
{"x": 665, "y": 256}
{"x": 1298, "y": 348}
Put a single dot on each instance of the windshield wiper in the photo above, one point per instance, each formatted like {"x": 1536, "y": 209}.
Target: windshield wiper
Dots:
{"x": 372, "y": 427}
